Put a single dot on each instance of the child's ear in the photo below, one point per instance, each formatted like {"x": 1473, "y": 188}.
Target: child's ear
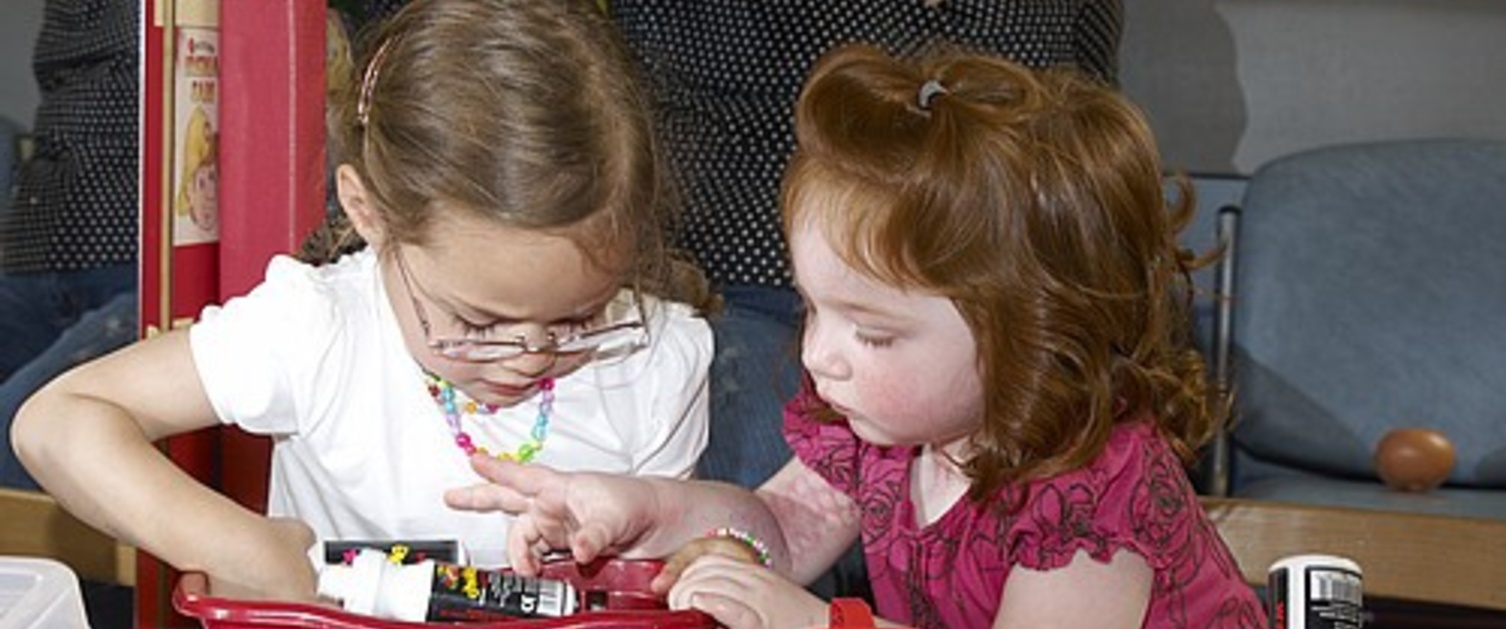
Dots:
{"x": 358, "y": 205}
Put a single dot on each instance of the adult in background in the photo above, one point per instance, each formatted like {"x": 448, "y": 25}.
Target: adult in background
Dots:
{"x": 68, "y": 236}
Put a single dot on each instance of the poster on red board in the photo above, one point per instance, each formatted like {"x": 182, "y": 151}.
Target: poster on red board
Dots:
{"x": 195, "y": 172}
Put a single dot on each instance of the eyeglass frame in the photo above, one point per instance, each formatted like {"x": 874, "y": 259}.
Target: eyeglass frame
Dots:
{"x": 461, "y": 349}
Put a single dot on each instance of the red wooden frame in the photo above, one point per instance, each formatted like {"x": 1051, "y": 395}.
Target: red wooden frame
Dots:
{"x": 271, "y": 194}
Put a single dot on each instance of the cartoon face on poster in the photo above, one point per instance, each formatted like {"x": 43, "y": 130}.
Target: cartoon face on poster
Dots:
{"x": 195, "y": 199}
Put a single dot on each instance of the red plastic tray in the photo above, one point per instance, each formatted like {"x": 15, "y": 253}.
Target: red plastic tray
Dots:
{"x": 622, "y": 583}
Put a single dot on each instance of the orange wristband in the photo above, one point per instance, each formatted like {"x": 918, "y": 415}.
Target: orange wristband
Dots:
{"x": 850, "y": 613}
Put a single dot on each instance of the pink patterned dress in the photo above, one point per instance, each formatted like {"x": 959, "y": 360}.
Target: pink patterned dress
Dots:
{"x": 1135, "y": 496}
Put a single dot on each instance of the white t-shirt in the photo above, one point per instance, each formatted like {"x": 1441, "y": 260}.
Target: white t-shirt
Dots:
{"x": 314, "y": 358}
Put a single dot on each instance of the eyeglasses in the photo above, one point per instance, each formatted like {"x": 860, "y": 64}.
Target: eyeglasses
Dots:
{"x": 623, "y": 332}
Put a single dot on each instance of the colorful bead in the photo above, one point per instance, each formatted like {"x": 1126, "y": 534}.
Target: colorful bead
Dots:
{"x": 444, "y": 397}
{"x": 759, "y": 548}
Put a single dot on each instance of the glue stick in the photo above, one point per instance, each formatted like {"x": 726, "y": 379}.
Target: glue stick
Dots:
{"x": 374, "y": 585}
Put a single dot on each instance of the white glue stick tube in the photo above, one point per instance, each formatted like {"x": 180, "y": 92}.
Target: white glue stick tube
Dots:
{"x": 431, "y": 590}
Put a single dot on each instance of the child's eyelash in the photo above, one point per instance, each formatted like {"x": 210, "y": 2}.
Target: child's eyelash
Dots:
{"x": 807, "y": 313}
{"x": 560, "y": 330}
{"x": 474, "y": 330}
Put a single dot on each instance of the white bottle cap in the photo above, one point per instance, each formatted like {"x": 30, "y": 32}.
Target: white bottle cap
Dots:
{"x": 355, "y": 585}
{"x": 1304, "y": 561}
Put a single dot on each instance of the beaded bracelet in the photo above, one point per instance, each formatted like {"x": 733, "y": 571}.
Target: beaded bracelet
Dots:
{"x": 760, "y": 549}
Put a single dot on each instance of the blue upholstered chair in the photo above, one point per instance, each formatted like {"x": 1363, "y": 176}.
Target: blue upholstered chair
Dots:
{"x": 1367, "y": 291}
{"x": 1370, "y": 294}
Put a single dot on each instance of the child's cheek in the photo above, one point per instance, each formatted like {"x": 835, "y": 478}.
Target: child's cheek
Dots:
{"x": 921, "y": 402}
{"x": 893, "y": 396}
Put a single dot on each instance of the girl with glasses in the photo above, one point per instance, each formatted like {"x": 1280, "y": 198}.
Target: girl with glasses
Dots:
{"x": 499, "y": 287}
{"x": 1000, "y": 393}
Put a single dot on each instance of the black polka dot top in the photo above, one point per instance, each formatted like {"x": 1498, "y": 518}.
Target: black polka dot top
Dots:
{"x": 76, "y": 204}
{"x": 727, "y": 74}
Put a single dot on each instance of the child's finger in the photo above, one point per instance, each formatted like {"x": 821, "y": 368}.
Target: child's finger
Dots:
{"x": 529, "y": 480}
{"x": 670, "y": 574}
{"x": 673, "y": 566}
{"x": 728, "y": 611}
{"x": 486, "y": 497}
{"x": 520, "y": 547}
{"x": 589, "y": 542}
{"x": 728, "y": 589}
{"x": 679, "y": 598}
{"x": 676, "y": 564}
{"x": 708, "y": 547}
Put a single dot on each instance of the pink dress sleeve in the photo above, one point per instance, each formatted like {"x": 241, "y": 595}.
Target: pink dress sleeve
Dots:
{"x": 1136, "y": 497}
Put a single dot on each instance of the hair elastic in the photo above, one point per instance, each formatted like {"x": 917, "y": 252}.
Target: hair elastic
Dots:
{"x": 928, "y": 92}
{"x": 368, "y": 82}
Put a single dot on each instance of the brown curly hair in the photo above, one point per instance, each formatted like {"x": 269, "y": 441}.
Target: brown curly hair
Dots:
{"x": 1035, "y": 202}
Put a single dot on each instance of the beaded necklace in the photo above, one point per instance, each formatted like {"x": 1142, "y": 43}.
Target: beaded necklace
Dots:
{"x": 444, "y": 396}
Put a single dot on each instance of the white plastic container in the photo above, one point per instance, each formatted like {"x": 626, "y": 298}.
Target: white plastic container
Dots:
{"x": 39, "y": 593}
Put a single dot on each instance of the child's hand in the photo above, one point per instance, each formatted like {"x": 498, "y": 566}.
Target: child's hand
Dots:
{"x": 588, "y": 514}
{"x": 276, "y": 566}
{"x": 743, "y": 595}
{"x": 683, "y": 558}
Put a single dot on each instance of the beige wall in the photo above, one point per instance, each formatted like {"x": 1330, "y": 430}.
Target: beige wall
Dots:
{"x": 1230, "y": 84}
{"x": 20, "y": 20}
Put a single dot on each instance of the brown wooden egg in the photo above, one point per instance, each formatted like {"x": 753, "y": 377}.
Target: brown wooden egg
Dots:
{"x": 1414, "y": 459}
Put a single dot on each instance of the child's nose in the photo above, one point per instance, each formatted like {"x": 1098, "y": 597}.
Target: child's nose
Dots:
{"x": 820, "y": 356}
{"x": 532, "y": 364}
